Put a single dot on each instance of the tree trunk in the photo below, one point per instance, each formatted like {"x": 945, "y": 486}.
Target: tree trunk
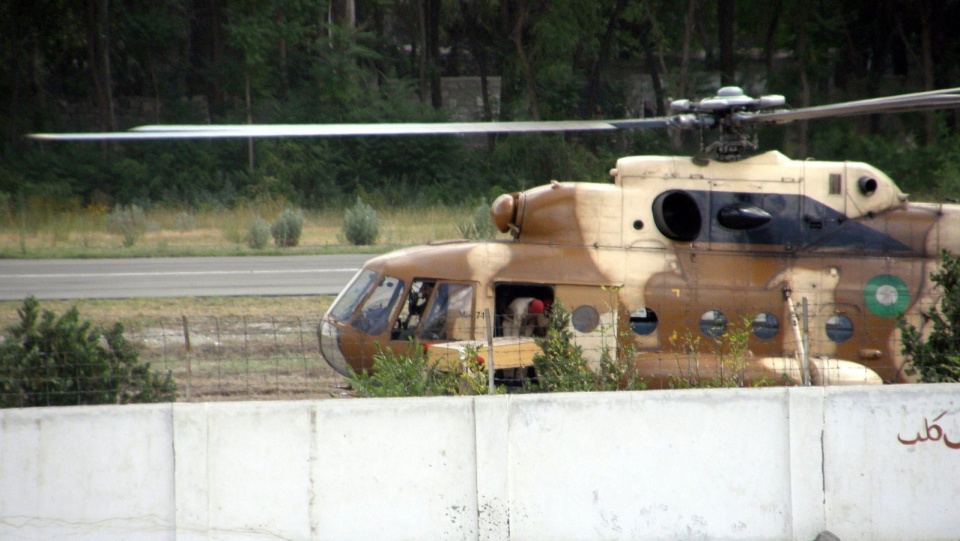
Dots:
{"x": 343, "y": 13}
{"x": 433, "y": 51}
{"x": 770, "y": 44}
{"x": 517, "y": 38}
{"x": 594, "y": 77}
{"x": 98, "y": 51}
{"x": 802, "y": 51}
{"x": 653, "y": 67}
{"x": 682, "y": 83}
{"x": 725, "y": 17}
{"x": 926, "y": 50}
{"x": 422, "y": 48}
{"x": 206, "y": 52}
{"x": 685, "y": 49}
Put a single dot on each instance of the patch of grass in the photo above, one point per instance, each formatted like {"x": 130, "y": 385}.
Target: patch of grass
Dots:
{"x": 70, "y": 231}
{"x": 139, "y": 312}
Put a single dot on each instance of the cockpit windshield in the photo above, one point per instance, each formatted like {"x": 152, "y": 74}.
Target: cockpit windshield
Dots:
{"x": 346, "y": 304}
{"x": 375, "y": 314}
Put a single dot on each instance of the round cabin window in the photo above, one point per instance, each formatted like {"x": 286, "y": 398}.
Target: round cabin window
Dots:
{"x": 765, "y": 326}
{"x": 585, "y": 318}
{"x": 839, "y": 328}
{"x": 643, "y": 321}
{"x": 713, "y": 323}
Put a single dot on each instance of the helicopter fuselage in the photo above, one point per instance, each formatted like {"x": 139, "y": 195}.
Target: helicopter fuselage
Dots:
{"x": 665, "y": 264}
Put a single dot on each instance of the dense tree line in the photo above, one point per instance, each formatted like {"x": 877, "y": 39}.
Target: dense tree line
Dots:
{"x": 110, "y": 64}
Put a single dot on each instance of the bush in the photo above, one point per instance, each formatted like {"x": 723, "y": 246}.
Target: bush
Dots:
{"x": 286, "y": 230}
{"x": 184, "y": 221}
{"x": 128, "y": 222}
{"x": 360, "y": 225}
{"x": 561, "y": 365}
{"x": 409, "y": 374}
{"x": 936, "y": 358}
{"x": 50, "y": 361}
{"x": 259, "y": 234}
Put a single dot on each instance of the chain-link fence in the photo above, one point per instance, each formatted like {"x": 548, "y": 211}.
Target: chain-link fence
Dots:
{"x": 278, "y": 357}
{"x": 240, "y": 358}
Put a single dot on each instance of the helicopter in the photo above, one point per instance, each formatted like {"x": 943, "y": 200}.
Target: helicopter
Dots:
{"x": 816, "y": 260}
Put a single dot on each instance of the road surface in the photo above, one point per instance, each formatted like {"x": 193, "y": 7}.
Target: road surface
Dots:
{"x": 176, "y": 277}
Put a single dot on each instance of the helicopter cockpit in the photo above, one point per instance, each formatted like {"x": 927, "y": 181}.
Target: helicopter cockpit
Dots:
{"x": 376, "y": 307}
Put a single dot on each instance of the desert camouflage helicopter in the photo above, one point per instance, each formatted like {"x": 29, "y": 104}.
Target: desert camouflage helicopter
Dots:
{"x": 673, "y": 247}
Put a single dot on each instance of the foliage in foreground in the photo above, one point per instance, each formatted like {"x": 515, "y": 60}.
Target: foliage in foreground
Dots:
{"x": 562, "y": 367}
{"x": 936, "y": 358}
{"x": 51, "y": 361}
{"x": 412, "y": 374}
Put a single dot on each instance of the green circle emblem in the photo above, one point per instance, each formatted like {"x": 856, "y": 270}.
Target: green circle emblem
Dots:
{"x": 886, "y": 295}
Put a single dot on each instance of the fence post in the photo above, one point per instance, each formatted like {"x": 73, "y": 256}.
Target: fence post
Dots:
{"x": 186, "y": 341}
{"x": 490, "y": 368}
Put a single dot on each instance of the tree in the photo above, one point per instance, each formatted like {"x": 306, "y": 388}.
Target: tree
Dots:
{"x": 936, "y": 357}
{"x": 51, "y": 361}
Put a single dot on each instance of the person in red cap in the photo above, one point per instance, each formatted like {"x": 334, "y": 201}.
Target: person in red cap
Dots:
{"x": 525, "y": 316}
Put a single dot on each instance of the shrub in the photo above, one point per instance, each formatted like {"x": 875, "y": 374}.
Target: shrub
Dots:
{"x": 259, "y": 234}
{"x": 409, "y": 374}
{"x": 287, "y": 228}
{"x": 936, "y": 357}
{"x": 128, "y": 222}
{"x": 360, "y": 225}
{"x": 480, "y": 226}
{"x": 50, "y": 361}
{"x": 184, "y": 221}
{"x": 561, "y": 365}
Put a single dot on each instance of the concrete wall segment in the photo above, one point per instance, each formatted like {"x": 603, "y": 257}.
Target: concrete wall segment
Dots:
{"x": 620, "y": 463}
{"x": 806, "y": 462}
{"x": 776, "y": 463}
{"x": 86, "y": 472}
{"x": 889, "y": 472}
{"x": 397, "y": 469}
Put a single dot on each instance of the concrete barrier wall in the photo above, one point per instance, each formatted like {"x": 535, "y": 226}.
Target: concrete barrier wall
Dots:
{"x": 785, "y": 463}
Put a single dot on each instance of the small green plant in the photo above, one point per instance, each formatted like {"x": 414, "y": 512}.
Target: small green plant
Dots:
{"x": 408, "y": 374}
{"x": 360, "y": 224}
{"x": 287, "y": 228}
{"x": 51, "y": 361}
{"x": 561, "y": 365}
{"x": 730, "y": 349}
{"x": 128, "y": 222}
{"x": 259, "y": 234}
{"x": 936, "y": 356}
{"x": 480, "y": 226}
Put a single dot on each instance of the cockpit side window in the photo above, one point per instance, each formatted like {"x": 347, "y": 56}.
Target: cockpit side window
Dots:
{"x": 346, "y": 304}
{"x": 412, "y": 311}
{"x": 375, "y": 314}
{"x": 450, "y": 314}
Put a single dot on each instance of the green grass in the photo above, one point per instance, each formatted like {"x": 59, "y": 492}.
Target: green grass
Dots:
{"x": 141, "y": 312}
{"x": 48, "y": 230}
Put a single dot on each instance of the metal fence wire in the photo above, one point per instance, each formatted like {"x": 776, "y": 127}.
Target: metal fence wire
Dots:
{"x": 240, "y": 358}
{"x": 278, "y": 357}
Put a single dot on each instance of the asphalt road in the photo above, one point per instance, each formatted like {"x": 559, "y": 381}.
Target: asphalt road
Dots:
{"x": 176, "y": 277}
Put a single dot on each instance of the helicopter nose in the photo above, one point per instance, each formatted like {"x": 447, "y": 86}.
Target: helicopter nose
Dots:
{"x": 329, "y": 337}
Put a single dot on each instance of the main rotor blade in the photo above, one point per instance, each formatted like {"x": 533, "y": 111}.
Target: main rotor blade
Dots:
{"x": 921, "y": 101}
{"x": 339, "y": 130}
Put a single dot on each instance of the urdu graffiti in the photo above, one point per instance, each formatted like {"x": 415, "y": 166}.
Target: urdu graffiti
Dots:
{"x": 931, "y": 432}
